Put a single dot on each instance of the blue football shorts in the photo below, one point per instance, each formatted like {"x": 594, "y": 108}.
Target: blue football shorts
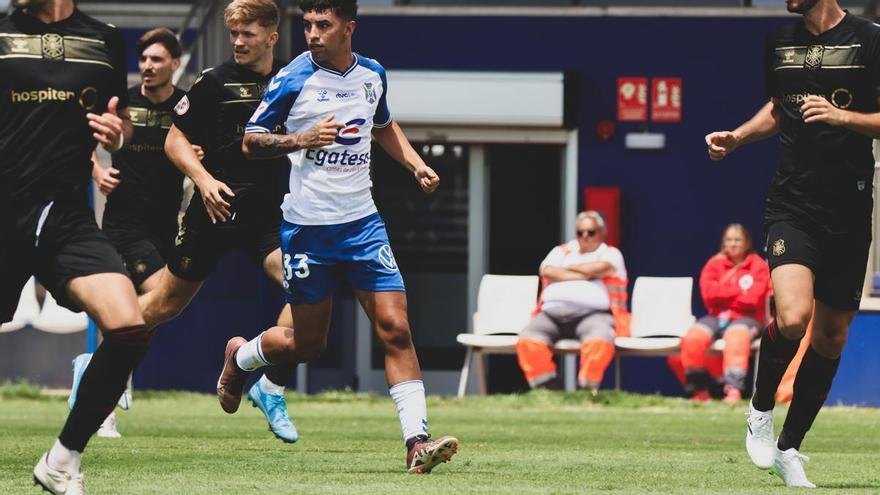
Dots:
{"x": 318, "y": 259}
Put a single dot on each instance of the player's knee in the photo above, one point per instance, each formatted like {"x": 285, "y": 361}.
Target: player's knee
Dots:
{"x": 792, "y": 322}
{"x": 395, "y": 333}
{"x": 170, "y": 307}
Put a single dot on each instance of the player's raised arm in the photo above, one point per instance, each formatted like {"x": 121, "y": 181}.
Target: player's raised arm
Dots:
{"x": 261, "y": 145}
{"x": 764, "y": 124}
{"x": 184, "y": 156}
{"x": 395, "y": 143}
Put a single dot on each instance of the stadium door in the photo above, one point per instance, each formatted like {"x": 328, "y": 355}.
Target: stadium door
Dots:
{"x": 500, "y": 208}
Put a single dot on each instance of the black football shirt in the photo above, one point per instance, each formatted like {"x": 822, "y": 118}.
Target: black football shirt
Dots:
{"x": 824, "y": 178}
{"x": 51, "y": 75}
{"x": 214, "y": 114}
{"x": 150, "y": 187}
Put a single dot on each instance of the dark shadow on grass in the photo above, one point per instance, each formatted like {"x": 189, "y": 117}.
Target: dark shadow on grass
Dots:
{"x": 850, "y": 486}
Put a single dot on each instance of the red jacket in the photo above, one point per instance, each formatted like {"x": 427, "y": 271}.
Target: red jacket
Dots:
{"x": 740, "y": 290}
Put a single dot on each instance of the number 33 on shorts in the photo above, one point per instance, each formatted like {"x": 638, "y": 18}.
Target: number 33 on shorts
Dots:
{"x": 299, "y": 267}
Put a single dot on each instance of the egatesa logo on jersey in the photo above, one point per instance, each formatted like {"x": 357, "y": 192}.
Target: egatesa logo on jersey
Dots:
{"x": 347, "y": 136}
{"x": 351, "y": 128}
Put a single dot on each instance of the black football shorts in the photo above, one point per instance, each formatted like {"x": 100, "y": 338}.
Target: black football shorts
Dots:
{"x": 55, "y": 242}
{"x": 838, "y": 261}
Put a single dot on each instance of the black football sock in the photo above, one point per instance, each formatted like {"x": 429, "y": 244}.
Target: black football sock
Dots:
{"x": 776, "y": 354}
{"x": 280, "y": 374}
{"x": 103, "y": 382}
{"x": 811, "y": 387}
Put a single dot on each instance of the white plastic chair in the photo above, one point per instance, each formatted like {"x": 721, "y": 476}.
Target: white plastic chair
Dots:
{"x": 27, "y": 311}
{"x": 661, "y": 315}
{"x": 504, "y": 308}
{"x": 56, "y": 319}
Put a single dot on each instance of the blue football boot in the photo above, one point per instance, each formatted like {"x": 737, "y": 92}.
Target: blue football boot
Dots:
{"x": 275, "y": 409}
{"x": 80, "y": 363}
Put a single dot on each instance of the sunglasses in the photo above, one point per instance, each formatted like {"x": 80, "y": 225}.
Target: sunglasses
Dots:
{"x": 586, "y": 233}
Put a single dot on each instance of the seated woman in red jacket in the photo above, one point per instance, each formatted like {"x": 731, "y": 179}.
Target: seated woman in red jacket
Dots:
{"x": 734, "y": 285}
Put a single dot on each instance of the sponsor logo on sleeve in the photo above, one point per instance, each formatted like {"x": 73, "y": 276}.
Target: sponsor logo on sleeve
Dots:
{"x": 182, "y": 106}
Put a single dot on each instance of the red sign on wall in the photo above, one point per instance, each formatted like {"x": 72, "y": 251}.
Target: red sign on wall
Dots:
{"x": 666, "y": 99}
{"x": 632, "y": 99}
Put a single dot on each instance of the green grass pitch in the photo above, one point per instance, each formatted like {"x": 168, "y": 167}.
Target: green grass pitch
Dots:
{"x": 179, "y": 443}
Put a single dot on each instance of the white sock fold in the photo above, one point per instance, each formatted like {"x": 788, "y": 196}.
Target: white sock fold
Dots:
{"x": 270, "y": 387}
{"x": 411, "y": 408}
{"x": 63, "y": 459}
{"x": 250, "y": 356}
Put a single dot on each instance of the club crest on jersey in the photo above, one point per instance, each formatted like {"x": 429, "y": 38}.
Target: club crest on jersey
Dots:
{"x": 351, "y": 128}
{"x": 369, "y": 92}
{"x": 53, "y": 46}
{"x": 779, "y": 247}
{"x": 182, "y": 106}
{"x": 386, "y": 257}
{"x": 813, "y": 59}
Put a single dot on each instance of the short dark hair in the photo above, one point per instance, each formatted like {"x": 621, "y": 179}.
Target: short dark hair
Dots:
{"x": 164, "y": 37}
{"x": 345, "y": 9}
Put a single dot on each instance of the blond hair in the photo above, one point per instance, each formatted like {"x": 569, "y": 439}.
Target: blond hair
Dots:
{"x": 263, "y": 12}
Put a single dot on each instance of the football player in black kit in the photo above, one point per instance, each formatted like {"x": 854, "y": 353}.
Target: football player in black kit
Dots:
{"x": 62, "y": 92}
{"x": 823, "y": 79}
{"x": 144, "y": 188}
{"x": 239, "y": 205}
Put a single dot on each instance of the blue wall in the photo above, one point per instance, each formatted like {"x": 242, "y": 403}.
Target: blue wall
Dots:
{"x": 857, "y": 380}
{"x": 675, "y": 201}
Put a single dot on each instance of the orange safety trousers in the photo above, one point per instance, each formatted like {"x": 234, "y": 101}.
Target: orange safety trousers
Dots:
{"x": 737, "y": 346}
{"x": 536, "y": 360}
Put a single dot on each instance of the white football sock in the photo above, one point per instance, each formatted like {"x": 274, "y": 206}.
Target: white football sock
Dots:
{"x": 250, "y": 356}
{"x": 411, "y": 408}
{"x": 63, "y": 459}
{"x": 270, "y": 387}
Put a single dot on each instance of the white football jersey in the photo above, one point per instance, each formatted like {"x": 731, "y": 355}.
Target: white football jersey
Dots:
{"x": 328, "y": 185}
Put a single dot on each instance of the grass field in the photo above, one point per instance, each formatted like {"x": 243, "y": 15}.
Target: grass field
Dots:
{"x": 178, "y": 443}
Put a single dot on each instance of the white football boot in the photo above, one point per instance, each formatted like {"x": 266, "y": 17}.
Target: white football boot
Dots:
{"x": 108, "y": 427}
{"x": 789, "y": 465}
{"x": 58, "y": 482}
{"x": 759, "y": 437}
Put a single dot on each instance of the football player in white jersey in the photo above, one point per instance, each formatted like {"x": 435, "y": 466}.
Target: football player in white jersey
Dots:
{"x": 331, "y": 101}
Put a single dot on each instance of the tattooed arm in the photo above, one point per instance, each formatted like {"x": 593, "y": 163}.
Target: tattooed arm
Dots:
{"x": 262, "y": 146}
